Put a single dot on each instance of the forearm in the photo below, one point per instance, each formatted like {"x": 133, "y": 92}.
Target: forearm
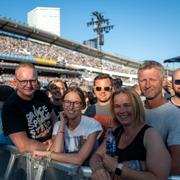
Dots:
{"x": 25, "y": 144}
{"x": 128, "y": 173}
{"x": 31, "y": 145}
{"x": 58, "y": 144}
{"x": 72, "y": 158}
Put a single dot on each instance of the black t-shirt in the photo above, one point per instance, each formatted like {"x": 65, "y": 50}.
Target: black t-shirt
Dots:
{"x": 32, "y": 116}
{"x": 135, "y": 150}
{"x": 57, "y": 109}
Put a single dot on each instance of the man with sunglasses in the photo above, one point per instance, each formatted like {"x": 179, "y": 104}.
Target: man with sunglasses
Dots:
{"x": 160, "y": 113}
{"x": 27, "y": 115}
{"x": 56, "y": 90}
{"x": 176, "y": 87}
{"x": 102, "y": 89}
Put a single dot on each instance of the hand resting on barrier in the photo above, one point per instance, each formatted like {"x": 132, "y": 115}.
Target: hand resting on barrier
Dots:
{"x": 75, "y": 136}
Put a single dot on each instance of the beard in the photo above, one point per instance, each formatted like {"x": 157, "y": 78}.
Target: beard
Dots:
{"x": 177, "y": 93}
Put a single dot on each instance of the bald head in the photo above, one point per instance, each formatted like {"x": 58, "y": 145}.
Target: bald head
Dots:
{"x": 176, "y": 82}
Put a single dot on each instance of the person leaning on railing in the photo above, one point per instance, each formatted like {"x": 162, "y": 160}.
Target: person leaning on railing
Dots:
{"x": 140, "y": 152}
{"x": 75, "y": 135}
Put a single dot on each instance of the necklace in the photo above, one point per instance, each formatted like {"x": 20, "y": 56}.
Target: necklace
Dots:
{"x": 125, "y": 137}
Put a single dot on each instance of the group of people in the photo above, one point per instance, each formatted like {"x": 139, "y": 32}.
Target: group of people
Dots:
{"x": 62, "y": 125}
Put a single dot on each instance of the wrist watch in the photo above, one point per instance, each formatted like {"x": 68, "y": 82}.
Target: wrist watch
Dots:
{"x": 118, "y": 170}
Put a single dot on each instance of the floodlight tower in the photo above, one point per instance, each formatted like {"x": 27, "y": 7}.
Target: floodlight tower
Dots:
{"x": 100, "y": 25}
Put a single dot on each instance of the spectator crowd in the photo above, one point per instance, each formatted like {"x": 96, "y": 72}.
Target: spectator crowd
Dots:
{"x": 69, "y": 123}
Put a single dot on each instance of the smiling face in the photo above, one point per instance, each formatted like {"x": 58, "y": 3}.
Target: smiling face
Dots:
{"x": 123, "y": 109}
{"x": 103, "y": 90}
{"x": 26, "y": 82}
{"x": 72, "y": 105}
{"x": 151, "y": 83}
{"x": 57, "y": 90}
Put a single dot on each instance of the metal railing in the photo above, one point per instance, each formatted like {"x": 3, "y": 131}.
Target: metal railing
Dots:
{"x": 40, "y": 169}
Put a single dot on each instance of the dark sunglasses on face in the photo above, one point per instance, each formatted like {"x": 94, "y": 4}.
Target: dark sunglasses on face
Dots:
{"x": 107, "y": 88}
{"x": 177, "y": 81}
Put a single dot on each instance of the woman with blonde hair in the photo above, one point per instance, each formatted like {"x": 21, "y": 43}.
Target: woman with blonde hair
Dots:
{"x": 140, "y": 151}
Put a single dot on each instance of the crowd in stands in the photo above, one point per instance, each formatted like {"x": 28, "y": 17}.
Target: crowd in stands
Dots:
{"x": 144, "y": 131}
{"x": 26, "y": 47}
{"x": 78, "y": 114}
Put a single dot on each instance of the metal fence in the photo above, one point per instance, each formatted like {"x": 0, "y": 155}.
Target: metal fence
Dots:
{"x": 18, "y": 166}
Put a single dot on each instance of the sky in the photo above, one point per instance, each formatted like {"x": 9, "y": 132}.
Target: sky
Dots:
{"x": 143, "y": 29}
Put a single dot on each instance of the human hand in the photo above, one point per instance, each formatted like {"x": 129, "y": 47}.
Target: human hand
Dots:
{"x": 64, "y": 118}
{"x": 110, "y": 163}
{"x": 48, "y": 143}
{"x": 39, "y": 154}
{"x": 101, "y": 174}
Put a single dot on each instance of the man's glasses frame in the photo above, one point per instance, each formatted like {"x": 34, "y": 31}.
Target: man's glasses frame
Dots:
{"x": 25, "y": 82}
{"x": 106, "y": 88}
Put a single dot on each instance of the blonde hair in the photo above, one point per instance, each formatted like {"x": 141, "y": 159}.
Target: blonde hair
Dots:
{"x": 137, "y": 104}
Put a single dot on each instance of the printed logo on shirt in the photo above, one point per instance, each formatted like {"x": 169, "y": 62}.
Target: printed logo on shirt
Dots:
{"x": 74, "y": 144}
{"x": 39, "y": 123}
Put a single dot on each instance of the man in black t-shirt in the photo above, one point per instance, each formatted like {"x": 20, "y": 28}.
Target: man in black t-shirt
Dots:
{"x": 27, "y": 115}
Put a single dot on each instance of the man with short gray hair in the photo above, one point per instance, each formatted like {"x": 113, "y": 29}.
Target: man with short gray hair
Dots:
{"x": 160, "y": 113}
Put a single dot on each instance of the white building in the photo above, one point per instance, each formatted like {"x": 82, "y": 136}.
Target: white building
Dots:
{"x": 45, "y": 18}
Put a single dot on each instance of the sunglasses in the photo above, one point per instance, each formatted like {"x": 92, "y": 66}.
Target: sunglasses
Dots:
{"x": 107, "y": 88}
{"x": 177, "y": 81}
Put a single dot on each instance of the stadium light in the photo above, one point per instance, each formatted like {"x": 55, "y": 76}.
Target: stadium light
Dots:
{"x": 100, "y": 25}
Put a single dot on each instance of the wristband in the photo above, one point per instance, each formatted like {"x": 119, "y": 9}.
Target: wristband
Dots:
{"x": 135, "y": 165}
{"x": 118, "y": 169}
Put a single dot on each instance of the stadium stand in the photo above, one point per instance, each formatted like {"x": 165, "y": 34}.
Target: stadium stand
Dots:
{"x": 53, "y": 56}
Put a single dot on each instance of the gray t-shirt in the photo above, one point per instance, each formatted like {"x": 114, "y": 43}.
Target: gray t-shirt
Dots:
{"x": 166, "y": 119}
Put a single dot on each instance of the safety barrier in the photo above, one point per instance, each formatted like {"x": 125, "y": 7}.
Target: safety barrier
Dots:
{"x": 15, "y": 165}
{"x": 21, "y": 166}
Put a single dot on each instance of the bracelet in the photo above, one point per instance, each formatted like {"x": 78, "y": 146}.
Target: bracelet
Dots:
{"x": 49, "y": 156}
{"x": 135, "y": 165}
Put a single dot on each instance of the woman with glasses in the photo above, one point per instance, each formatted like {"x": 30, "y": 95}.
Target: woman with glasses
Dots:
{"x": 140, "y": 152}
{"x": 75, "y": 135}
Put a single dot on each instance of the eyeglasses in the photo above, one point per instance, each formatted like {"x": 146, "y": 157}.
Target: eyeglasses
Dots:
{"x": 177, "y": 81}
{"x": 25, "y": 82}
{"x": 76, "y": 104}
{"x": 107, "y": 88}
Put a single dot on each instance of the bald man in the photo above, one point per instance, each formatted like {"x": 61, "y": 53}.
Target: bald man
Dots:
{"x": 176, "y": 87}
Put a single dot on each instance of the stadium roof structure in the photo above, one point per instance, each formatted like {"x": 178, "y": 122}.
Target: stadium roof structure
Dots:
{"x": 12, "y": 26}
{"x": 172, "y": 60}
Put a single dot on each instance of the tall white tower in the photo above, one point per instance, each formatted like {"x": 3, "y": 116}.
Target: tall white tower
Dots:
{"x": 45, "y": 18}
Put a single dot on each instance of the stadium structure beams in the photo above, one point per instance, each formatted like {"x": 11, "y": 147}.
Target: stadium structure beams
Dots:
{"x": 5, "y": 65}
{"x": 34, "y": 33}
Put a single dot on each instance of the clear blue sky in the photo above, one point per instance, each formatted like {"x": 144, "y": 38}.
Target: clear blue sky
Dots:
{"x": 143, "y": 29}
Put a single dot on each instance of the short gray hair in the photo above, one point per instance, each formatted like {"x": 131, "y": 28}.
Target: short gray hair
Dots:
{"x": 148, "y": 64}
